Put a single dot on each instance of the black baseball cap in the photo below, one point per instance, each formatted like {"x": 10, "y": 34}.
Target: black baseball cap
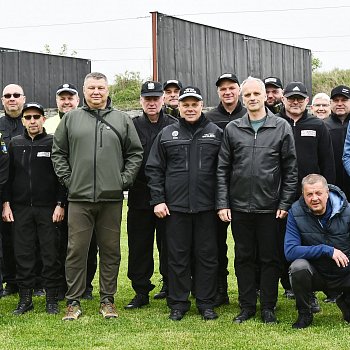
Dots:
{"x": 341, "y": 90}
{"x": 295, "y": 88}
{"x": 152, "y": 88}
{"x": 273, "y": 81}
{"x": 67, "y": 88}
{"x": 172, "y": 82}
{"x": 227, "y": 76}
{"x": 190, "y": 91}
{"x": 36, "y": 105}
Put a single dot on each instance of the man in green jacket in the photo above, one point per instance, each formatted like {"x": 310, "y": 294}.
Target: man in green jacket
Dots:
{"x": 96, "y": 154}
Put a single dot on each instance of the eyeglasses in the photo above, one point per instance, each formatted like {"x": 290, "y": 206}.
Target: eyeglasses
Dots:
{"x": 15, "y": 95}
{"x": 299, "y": 99}
{"x": 30, "y": 116}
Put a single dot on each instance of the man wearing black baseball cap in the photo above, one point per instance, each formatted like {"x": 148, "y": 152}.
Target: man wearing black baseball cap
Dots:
{"x": 181, "y": 170}
{"x": 34, "y": 206}
{"x": 274, "y": 93}
{"x": 313, "y": 145}
{"x": 337, "y": 125}
{"x": 229, "y": 108}
{"x": 171, "y": 97}
{"x": 142, "y": 224}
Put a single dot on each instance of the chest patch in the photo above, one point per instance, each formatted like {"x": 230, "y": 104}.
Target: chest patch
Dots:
{"x": 311, "y": 133}
{"x": 43, "y": 154}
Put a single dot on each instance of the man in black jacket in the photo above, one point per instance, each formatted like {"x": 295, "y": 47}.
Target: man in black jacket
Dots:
{"x": 171, "y": 97}
{"x": 314, "y": 152}
{"x": 257, "y": 177}
{"x": 142, "y": 222}
{"x": 230, "y": 108}
{"x": 34, "y": 206}
{"x": 181, "y": 171}
{"x": 337, "y": 125}
{"x": 13, "y": 99}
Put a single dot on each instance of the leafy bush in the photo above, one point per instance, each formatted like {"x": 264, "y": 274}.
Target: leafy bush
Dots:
{"x": 326, "y": 81}
{"x": 125, "y": 92}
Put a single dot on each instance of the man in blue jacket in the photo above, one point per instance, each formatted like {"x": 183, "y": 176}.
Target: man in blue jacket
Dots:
{"x": 317, "y": 242}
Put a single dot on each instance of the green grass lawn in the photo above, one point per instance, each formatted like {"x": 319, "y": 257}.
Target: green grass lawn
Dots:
{"x": 150, "y": 328}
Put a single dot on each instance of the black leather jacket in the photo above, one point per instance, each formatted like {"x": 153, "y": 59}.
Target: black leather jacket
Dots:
{"x": 257, "y": 171}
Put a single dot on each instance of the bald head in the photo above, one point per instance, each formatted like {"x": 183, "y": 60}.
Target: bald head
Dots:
{"x": 13, "y": 100}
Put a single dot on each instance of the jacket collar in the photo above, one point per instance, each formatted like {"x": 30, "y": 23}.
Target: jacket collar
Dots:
{"x": 270, "y": 121}
{"x": 36, "y": 137}
{"x": 222, "y": 109}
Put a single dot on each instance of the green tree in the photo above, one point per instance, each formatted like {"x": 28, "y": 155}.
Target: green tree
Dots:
{"x": 326, "y": 81}
{"x": 125, "y": 91}
{"x": 315, "y": 63}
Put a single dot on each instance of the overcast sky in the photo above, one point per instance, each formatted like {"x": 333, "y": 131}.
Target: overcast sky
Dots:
{"x": 116, "y": 34}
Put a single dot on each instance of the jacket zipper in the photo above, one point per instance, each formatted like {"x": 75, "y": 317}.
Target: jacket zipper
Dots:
{"x": 101, "y": 130}
{"x": 30, "y": 174}
{"x": 252, "y": 167}
{"x": 95, "y": 156}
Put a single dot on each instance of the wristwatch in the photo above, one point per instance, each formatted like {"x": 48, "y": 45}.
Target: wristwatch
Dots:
{"x": 60, "y": 204}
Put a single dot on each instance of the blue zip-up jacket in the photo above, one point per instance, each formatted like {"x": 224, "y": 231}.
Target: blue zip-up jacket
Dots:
{"x": 314, "y": 238}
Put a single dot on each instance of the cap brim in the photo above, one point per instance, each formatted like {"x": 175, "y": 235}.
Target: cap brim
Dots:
{"x": 231, "y": 79}
{"x": 274, "y": 84}
{"x": 155, "y": 94}
{"x": 177, "y": 85}
{"x": 340, "y": 94}
{"x": 198, "y": 97}
{"x": 295, "y": 93}
{"x": 71, "y": 91}
{"x": 34, "y": 107}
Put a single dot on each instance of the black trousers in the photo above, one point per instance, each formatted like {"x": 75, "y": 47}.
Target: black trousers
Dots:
{"x": 92, "y": 255}
{"x": 222, "y": 249}
{"x": 9, "y": 261}
{"x": 142, "y": 226}
{"x": 255, "y": 235}
{"x": 305, "y": 279}
{"x": 32, "y": 225}
{"x": 188, "y": 234}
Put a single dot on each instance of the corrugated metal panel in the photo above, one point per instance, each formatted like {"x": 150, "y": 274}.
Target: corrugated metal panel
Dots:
{"x": 198, "y": 54}
{"x": 40, "y": 74}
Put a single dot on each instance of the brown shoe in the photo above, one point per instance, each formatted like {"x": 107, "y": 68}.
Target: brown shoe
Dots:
{"x": 73, "y": 312}
{"x": 108, "y": 310}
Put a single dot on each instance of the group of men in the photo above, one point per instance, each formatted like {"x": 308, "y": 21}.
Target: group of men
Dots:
{"x": 189, "y": 175}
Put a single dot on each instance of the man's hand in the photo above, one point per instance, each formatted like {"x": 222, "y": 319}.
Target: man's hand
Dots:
{"x": 225, "y": 215}
{"x": 161, "y": 210}
{"x": 340, "y": 258}
{"x": 58, "y": 214}
{"x": 7, "y": 215}
{"x": 281, "y": 214}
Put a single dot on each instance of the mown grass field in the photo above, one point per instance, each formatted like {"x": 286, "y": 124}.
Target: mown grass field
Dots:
{"x": 150, "y": 328}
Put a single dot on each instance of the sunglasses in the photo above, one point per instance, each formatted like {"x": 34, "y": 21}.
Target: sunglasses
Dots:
{"x": 15, "y": 95}
{"x": 30, "y": 116}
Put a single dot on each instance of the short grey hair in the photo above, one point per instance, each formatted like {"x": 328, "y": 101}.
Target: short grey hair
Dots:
{"x": 321, "y": 95}
{"x": 250, "y": 79}
{"x": 311, "y": 179}
{"x": 96, "y": 75}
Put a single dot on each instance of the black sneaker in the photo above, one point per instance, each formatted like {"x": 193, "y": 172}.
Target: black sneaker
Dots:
{"x": 162, "y": 294}
{"x": 289, "y": 294}
{"x": 138, "y": 301}
{"x": 87, "y": 295}
{"x": 39, "y": 292}
{"x": 243, "y": 316}
{"x": 176, "y": 315}
{"x": 208, "y": 314}
{"x": 304, "y": 320}
{"x": 268, "y": 316}
{"x": 315, "y": 306}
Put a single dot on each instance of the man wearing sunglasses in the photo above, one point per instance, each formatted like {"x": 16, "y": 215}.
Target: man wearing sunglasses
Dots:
{"x": 11, "y": 125}
{"x": 34, "y": 206}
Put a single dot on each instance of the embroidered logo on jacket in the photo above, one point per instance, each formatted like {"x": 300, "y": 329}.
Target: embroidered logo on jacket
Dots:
{"x": 209, "y": 134}
{"x": 44, "y": 154}
{"x": 175, "y": 135}
{"x": 311, "y": 133}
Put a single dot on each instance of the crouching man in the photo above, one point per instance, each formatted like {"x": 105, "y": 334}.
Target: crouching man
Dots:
{"x": 34, "y": 201}
{"x": 318, "y": 242}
